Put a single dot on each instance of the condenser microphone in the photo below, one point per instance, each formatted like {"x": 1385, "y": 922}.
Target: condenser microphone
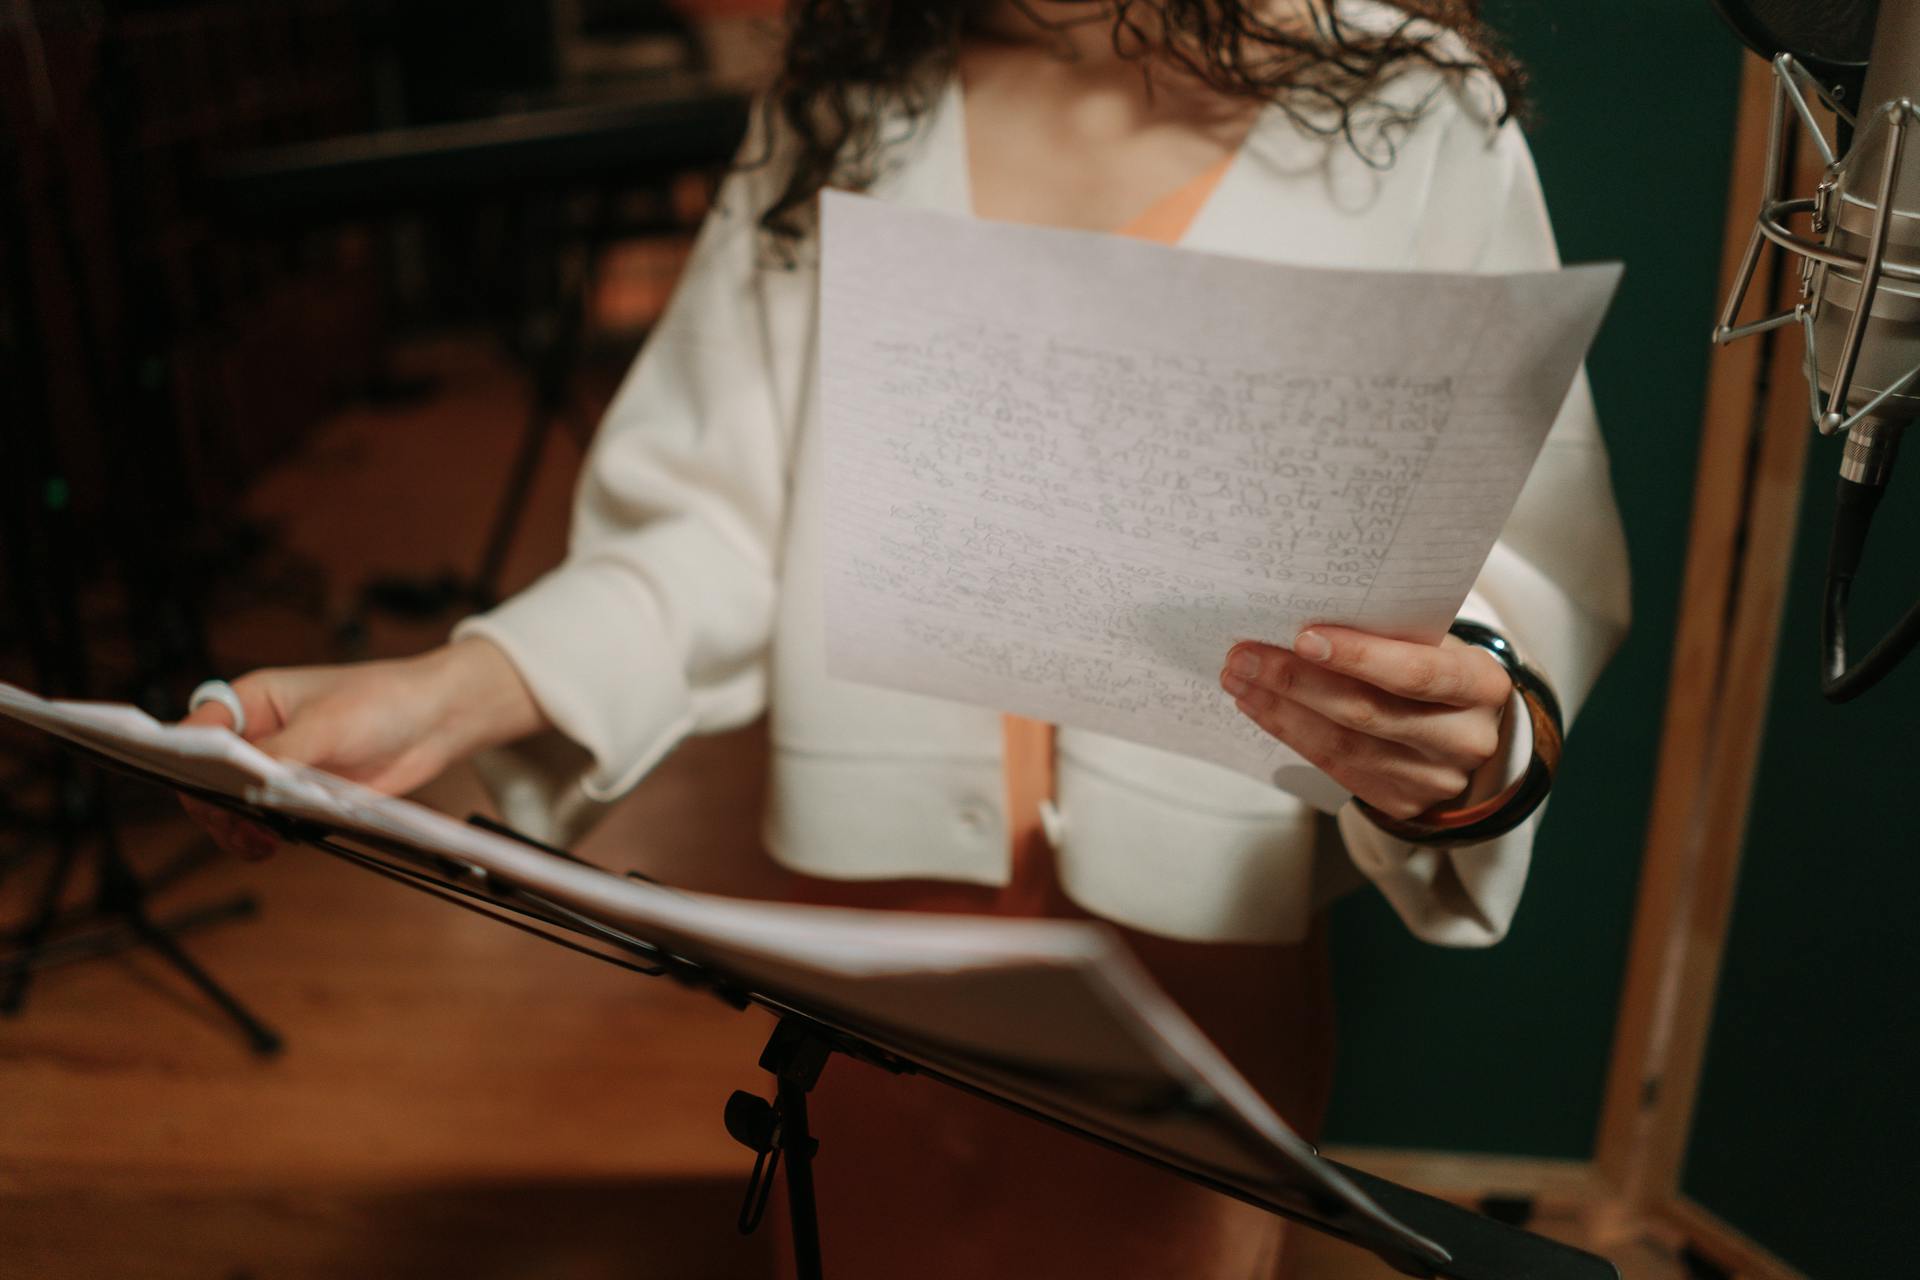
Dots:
{"x": 1858, "y": 236}
{"x": 1866, "y": 364}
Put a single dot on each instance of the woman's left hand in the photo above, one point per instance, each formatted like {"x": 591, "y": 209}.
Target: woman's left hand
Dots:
{"x": 1403, "y": 726}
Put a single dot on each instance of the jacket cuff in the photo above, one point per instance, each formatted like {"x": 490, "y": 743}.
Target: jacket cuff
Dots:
{"x": 565, "y": 635}
{"x": 1464, "y": 896}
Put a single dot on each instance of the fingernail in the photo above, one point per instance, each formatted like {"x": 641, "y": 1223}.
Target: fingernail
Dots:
{"x": 1312, "y": 646}
{"x": 1234, "y": 685}
{"x": 1244, "y": 662}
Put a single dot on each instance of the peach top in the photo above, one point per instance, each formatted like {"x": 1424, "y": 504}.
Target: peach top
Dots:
{"x": 1027, "y": 745}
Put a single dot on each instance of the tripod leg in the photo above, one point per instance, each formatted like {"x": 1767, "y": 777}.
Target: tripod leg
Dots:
{"x": 33, "y": 935}
{"x": 513, "y": 503}
{"x": 121, "y": 894}
{"x": 552, "y": 370}
{"x": 111, "y": 939}
{"x": 264, "y": 1039}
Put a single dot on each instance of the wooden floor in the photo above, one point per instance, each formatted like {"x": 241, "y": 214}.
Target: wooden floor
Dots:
{"x": 455, "y": 1099}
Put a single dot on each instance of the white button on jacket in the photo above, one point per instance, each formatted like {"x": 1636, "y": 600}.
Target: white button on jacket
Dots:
{"x": 691, "y": 597}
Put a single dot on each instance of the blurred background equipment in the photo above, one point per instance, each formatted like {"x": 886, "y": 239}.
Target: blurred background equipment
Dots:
{"x": 218, "y": 219}
{"x": 111, "y": 290}
{"x": 572, "y": 128}
{"x": 571, "y": 175}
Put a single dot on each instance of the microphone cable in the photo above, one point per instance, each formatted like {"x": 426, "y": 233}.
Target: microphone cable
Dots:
{"x": 1840, "y": 681}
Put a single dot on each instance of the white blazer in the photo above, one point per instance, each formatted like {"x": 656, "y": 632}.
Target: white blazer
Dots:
{"x": 691, "y": 597}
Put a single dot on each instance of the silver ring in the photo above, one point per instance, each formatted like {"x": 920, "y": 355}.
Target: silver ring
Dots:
{"x": 221, "y": 692}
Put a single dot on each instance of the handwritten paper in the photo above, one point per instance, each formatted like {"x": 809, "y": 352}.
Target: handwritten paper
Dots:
{"x": 1066, "y": 471}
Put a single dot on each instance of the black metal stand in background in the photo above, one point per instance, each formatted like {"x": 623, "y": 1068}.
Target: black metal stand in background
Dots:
{"x": 555, "y": 316}
{"x": 77, "y": 825}
{"x": 531, "y": 161}
{"x": 73, "y": 825}
{"x": 117, "y": 919}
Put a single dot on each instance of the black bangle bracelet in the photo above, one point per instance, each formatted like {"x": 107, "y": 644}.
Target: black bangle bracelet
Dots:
{"x": 1470, "y": 824}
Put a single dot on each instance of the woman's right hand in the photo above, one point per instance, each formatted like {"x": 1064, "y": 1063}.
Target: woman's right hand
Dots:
{"x": 391, "y": 725}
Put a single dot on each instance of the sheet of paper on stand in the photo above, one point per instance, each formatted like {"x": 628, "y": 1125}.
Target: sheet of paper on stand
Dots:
{"x": 1067, "y": 471}
{"x": 1055, "y": 1014}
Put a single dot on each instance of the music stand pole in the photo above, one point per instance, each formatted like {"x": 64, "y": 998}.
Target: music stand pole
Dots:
{"x": 777, "y": 1132}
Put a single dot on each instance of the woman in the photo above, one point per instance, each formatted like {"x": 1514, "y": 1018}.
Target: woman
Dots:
{"x": 691, "y": 597}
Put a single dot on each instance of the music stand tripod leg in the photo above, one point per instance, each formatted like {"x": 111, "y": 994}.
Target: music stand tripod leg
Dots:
{"x": 121, "y": 894}
{"x": 32, "y": 936}
{"x": 777, "y": 1132}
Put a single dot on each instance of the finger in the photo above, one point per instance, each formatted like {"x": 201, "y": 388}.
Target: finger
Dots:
{"x": 1397, "y": 780}
{"x": 265, "y": 702}
{"x": 1465, "y": 737}
{"x": 213, "y": 715}
{"x": 305, "y": 742}
{"x": 1457, "y": 675}
{"x": 260, "y": 699}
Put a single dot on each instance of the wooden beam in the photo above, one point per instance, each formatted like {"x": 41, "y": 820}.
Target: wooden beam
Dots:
{"x": 1728, "y": 789}
{"x": 1724, "y": 1246}
{"x": 1694, "y": 685}
{"x": 1567, "y": 1200}
{"x": 1745, "y": 515}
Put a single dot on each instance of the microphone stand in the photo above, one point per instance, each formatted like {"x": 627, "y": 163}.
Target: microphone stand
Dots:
{"x": 1868, "y": 401}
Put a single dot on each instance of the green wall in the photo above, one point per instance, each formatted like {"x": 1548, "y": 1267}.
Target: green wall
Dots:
{"x": 1505, "y": 1050}
{"x": 1807, "y": 1131}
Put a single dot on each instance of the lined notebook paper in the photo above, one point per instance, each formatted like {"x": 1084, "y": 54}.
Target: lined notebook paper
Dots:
{"x": 1067, "y": 472}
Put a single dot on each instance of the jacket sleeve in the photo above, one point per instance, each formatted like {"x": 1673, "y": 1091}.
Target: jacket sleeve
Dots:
{"x": 657, "y": 623}
{"x": 1556, "y": 584}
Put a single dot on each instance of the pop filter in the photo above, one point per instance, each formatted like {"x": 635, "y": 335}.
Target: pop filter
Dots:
{"x": 1830, "y": 38}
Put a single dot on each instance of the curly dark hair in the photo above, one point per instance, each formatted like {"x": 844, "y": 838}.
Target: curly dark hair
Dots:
{"x": 844, "y": 56}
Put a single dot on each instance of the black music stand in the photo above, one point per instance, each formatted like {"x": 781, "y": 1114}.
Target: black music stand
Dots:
{"x": 1469, "y": 1246}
